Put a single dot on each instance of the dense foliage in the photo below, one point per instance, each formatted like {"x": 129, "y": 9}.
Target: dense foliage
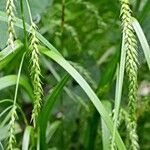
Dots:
{"x": 74, "y": 74}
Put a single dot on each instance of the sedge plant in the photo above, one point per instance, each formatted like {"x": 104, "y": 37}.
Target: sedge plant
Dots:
{"x": 39, "y": 97}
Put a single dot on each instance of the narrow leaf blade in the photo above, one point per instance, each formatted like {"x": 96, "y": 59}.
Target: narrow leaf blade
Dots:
{"x": 47, "y": 110}
{"x": 26, "y": 138}
{"x": 142, "y": 39}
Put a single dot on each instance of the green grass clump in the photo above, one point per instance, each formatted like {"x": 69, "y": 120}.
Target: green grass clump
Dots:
{"x": 57, "y": 79}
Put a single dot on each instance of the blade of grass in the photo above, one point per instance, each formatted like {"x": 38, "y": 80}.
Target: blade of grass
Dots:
{"x": 18, "y": 107}
{"x": 47, "y": 108}
{"x": 5, "y": 110}
{"x": 18, "y": 80}
{"x": 105, "y": 131}
{"x": 119, "y": 85}
{"x": 3, "y": 132}
{"x": 26, "y": 137}
{"x": 8, "y": 50}
{"x": 72, "y": 95}
{"x": 23, "y": 23}
{"x": 10, "y": 80}
{"x": 102, "y": 90}
{"x": 91, "y": 130}
{"x": 1, "y": 146}
{"x": 6, "y": 119}
{"x": 8, "y": 53}
{"x": 52, "y": 129}
{"x": 142, "y": 39}
{"x": 90, "y": 93}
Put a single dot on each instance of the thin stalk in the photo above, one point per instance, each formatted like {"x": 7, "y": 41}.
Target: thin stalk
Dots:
{"x": 18, "y": 78}
{"x": 119, "y": 85}
{"x": 23, "y": 23}
{"x": 12, "y": 139}
{"x": 29, "y": 11}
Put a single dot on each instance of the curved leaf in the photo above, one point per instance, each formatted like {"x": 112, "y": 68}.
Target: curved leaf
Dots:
{"x": 18, "y": 107}
{"x": 119, "y": 86}
{"x": 142, "y": 39}
{"x": 48, "y": 108}
{"x": 87, "y": 89}
{"x": 26, "y": 137}
{"x": 1, "y": 146}
{"x": 52, "y": 129}
{"x": 8, "y": 53}
{"x": 10, "y": 80}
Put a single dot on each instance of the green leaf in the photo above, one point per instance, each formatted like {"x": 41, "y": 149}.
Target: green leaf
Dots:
{"x": 47, "y": 110}
{"x": 10, "y": 80}
{"x": 18, "y": 107}
{"x": 3, "y": 132}
{"x": 8, "y": 53}
{"x": 73, "y": 96}
{"x": 105, "y": 131}
{"x": 52, "y": 129}
{"x": 5, "y": 110}
{"x": 26, "y": 137}
{"x": 6, "y": 119}
{"x": 142, "y": 39}
{"x": 119, "y": 85}
{"x": 90, "y": 93}
{"x": 1, "y": 146}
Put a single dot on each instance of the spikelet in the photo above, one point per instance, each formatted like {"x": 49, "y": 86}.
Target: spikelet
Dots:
{"x": 131, "y": 70}
{"x": 11, "y": 139}
{"x": 10, "y": 7}
{"x": 35, "y": 74}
